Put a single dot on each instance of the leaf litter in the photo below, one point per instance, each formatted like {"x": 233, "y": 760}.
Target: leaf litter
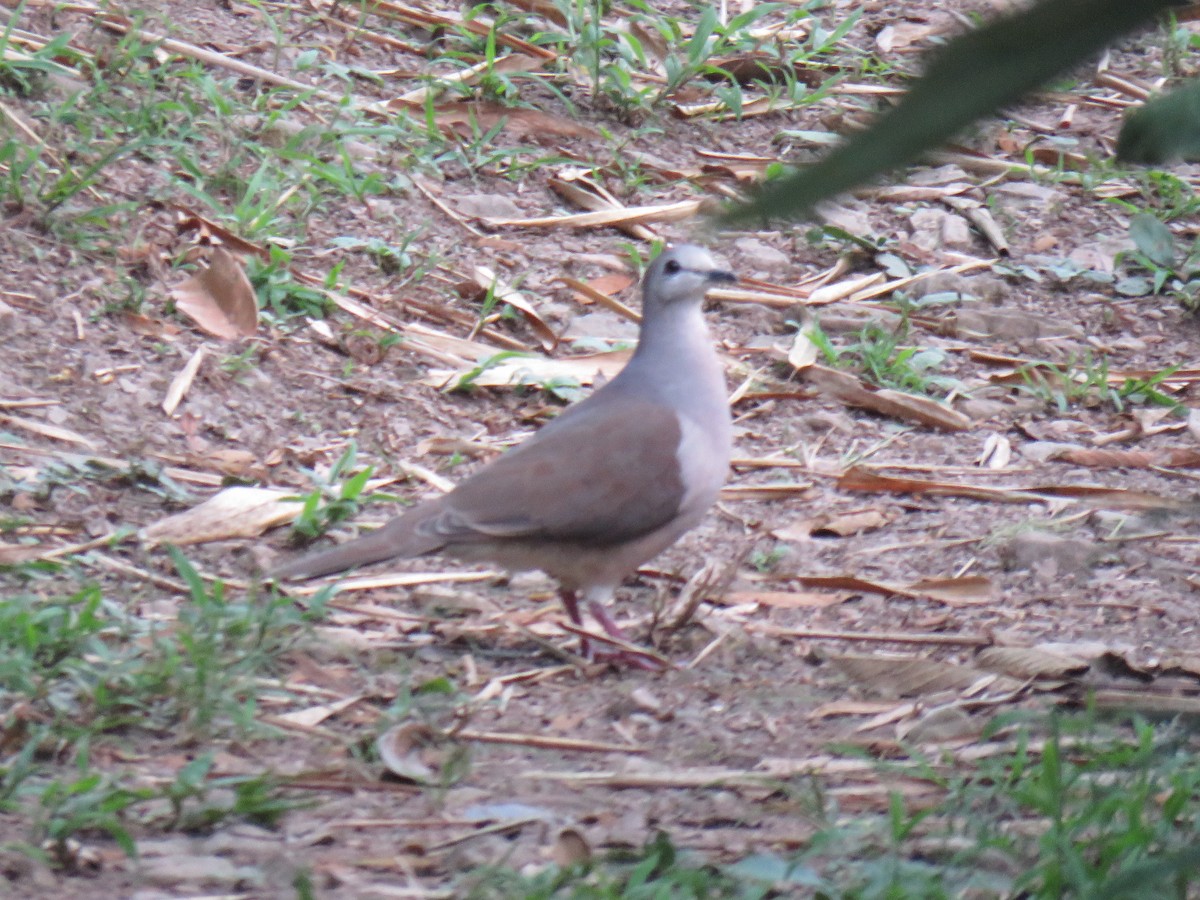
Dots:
{"x": 956, "y": 629}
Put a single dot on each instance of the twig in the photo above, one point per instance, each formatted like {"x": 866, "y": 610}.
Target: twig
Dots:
{"x": 498, "y": 828}
{"x": 628, "y": 647}
{"x": 882, "y": 637}
{"x": 544, "y": 742}
{"x": 444, "y": 208}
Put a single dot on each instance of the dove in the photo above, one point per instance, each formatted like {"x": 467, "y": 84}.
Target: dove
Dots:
{"x": 605, "y": 486}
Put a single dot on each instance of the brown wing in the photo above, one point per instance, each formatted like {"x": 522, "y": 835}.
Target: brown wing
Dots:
{"x": 604, "y": 477}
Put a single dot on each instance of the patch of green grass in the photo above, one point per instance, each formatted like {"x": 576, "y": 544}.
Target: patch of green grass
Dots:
{"x": 1086, "y": 382}
{"x": 1092, "y": 809}
{"x": 632, "y": 64}
{"x": 880, "y": 356}
{"x": 281, "y": 296}
{"x": 337, "y": 497}
{"x": 1159, "y": 265}
{"x": 658, "y": 870}
{"x": 83, "y": 671}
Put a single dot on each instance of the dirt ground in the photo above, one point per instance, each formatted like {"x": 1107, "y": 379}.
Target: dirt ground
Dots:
{"x": 821, "y": 581}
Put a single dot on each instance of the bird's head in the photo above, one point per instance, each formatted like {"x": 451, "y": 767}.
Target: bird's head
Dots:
{"x": 682, "y": 273}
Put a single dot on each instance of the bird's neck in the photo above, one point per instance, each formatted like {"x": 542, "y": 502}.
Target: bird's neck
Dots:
{"x": 675, "y": 357}
{"x": 673, "y": 333}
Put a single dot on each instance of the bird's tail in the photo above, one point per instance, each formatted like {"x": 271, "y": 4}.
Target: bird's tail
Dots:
{"x": 398, "y": 539}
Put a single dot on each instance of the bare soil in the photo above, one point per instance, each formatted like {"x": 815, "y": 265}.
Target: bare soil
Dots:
{"x": 753, "y": 672}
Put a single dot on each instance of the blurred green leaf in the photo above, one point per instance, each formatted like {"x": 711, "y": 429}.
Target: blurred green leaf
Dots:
{"x": 973, "y": 76}
{"x": 1154, "y": 239}
{"x": 1166, "y": 128}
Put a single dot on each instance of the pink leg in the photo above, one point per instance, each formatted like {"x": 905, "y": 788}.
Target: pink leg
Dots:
{"x": 600, "y": 614}
{"x": 570, "y": 602}
{"x": 612, "y": 629}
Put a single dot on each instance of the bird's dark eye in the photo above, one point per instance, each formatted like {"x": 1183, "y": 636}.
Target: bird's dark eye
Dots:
{"x": 672, "y": 267}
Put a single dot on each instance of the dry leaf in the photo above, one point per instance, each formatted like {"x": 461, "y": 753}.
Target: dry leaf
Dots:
{"x": 45, "y": 429}
{"x": 147, "y": 327}
{"x": 612, "y": 283}
{"x": 850, "y": 708}
{"x": 996, "y": 453}
{"x": 589, "y": 293}
{"x": 775, "y": 491}
{"x": 1029, "y": 662}
{"x": 788, "y": 599}
{"x": 181, "y": 382}
{"x": 668, "y": 212}
{"x": 1011, "y": 324}
{"x": 906, "y": 676}
{"x": 313, "y": 716}
{"x": 490, "y": 281}
{"x": 904, "y": 34}
{"x": 803, "y": 351}
{"x": 207, "y": 230}
{"x": 962, "y": 591}
{"x": 227, "y": 460}
{"x": 860, "y": 478}
{"x": 409, "y": 752}
{"x": 908, "y": 407}
{"x": 840, "y": 524}
{"x": 831, "y": 293}
{"x": 570, "y": 849}
{"x": 1171, "y": 458}
{"x": 505, "y": 65}
{"x": 232, "y": 513}
{"x": 535, "y": 370}
{"x": 580, "y": 189}
{"x": 219, "y": 298}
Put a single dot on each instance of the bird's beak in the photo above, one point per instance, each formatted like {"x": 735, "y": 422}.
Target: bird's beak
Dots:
{"x": 720, "y": 276}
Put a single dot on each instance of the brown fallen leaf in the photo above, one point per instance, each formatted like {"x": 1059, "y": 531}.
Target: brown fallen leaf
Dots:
{"x": 804, "y": 350}
{"x": 231, "y": 513}
{"x": 668, "y": 212}
{"x": 45, "y": 429}
{"x": 488, "y": 280}
{"x": 963, "y": 591}
{"x": 438, "y": 84}
{"x": 850, "y": 708}
{"x": 183, "y": 381}
{"x": 226, "y": 460}
{"x": 580, "y": 188}
{"x": 412, "y": 751}
{"x": 219, "y": 298}
{"x": 570, "y": 849}
{"x": 831, "y": 293}
{"x": 755, "y": 66}
{"x": 1170, "y": 458}
{"x": 188, "y": 220}
{"x": 861, "y": 478}
{"x": 840, "y": 524}
{"x": 534, "y": 370}
{"x": 907, "y": 676}
{"x": 1029, "y": 662}
{"x": 788, "y": 599}
{"x": 846, "y": 388}
{"x": 612, "y": 283}
{"x": 902, "y": 35}
{"x": 147, "y": 327}
{"x": 588, "y": 292}
{"x": 775, "y": 491}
